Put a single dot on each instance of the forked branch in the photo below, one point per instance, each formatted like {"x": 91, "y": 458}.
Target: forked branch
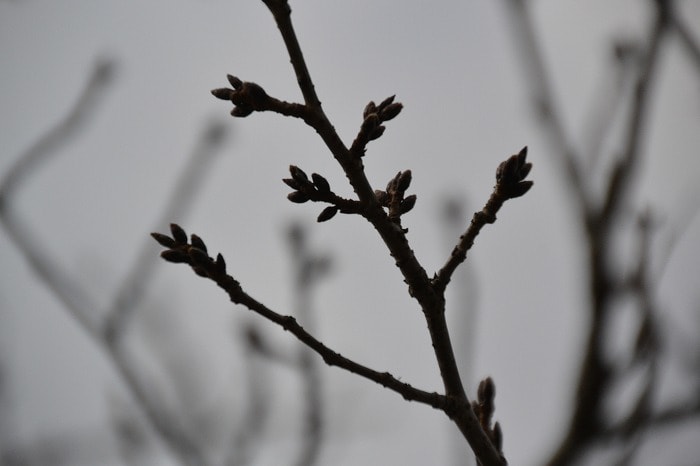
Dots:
{"x": 384, "y": 210}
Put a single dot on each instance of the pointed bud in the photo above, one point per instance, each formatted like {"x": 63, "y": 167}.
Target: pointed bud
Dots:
{"x": 391, "y": 185}
{"x": 234, "y": 81}
{"x": 404, "y": 181}
{"x": 391, "y": 111}
{"x": 298, "y": 174}
{"x": 197, "y": 242}
{"x": 223, "y": 93}
{"x": 382, "y": 197}
{"x": 327, "y": 214}
{"x": 407, "y": 204}
{"x": 179, "y": 234}
{"x": 497, "y": 436}
{"x": 386, "y": 102}
{"x": 175, "y": 256}
{"x": 292, "y": 183}
{"x": 520, "y": 189}
{"x": 369, "y": 109}
{"x": 377, "y": 133}
{"x": 297, "y": 197}
{"x": 321, "y": 183}
{"x": 199, "y": 257}
{"x": 200, "y": 271}
{"x": 163, "y": 240}
{"x": 220, "y": 264}
{"x": 487, "y": 390}
{"x": 369, "y": 124}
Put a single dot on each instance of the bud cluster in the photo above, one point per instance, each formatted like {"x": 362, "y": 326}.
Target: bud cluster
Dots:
{"x": 484, "y": 408}
{"x": 194, "y": 253}
{"x": 394, "y": 197}
{"x": 373, "y": 117}
{"x": 246, "y": 97}
{"x": 317, "y": 189}
{"x": 510, "y": 175}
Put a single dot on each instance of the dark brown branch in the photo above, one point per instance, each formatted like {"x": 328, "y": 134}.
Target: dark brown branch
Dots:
{"x": 509, "y": 184}
{"x": 393, "y": 235}
{"x": 215, "y": 269}
{"x": 282, "y": 13}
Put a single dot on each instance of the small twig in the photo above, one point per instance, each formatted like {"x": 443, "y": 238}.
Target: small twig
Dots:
{"x": 70, "y": 292}
{"x": 687, "y": 39}
{"x": 47, "y": 145}
{"x": 510, "y": 183}
{"x": 308, "y": 268}
{"x": 544, "y": 102}
{"x": 178, "y": 250}
{"x": 256, "y": 411}
{"x": 249, "y": 97}
{"x": 626, "y": 167}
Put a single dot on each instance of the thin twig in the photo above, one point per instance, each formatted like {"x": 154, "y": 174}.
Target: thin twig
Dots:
{"x": 544, "y": 102}
{"x": 691, "y": 44}
{"x": 248, "y": 97}
{"x": 308, "y": 269}
{"x": 70, "y": 292}
{"x": 70, "y": 125}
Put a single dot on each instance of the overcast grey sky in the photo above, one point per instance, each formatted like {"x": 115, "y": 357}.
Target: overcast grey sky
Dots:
{"x": 455, "y": 68}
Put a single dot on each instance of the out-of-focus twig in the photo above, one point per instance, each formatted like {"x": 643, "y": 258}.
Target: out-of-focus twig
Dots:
{"x": 689, "y": 41}
{"x": 179, "y": 203}
{"x": 599, "y": 214}
{"x": 257, "y": 407}
{"x": 71, "y": 293}
{"x": 69, "y": 126}
{"x": 308, "y": 269}
{"x": 544, "y": 101}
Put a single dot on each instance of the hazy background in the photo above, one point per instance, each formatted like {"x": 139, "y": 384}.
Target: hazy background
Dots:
{"x": 454, "y": 67}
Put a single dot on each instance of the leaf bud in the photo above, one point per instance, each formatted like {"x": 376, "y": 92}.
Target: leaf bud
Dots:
{"x": 223, "y": 93}
{"x": 321, "y": 183}
{"x": 197, "y": 242}
{"x": 199, "y": 257}
{"x": 297, "y": 197}
{"x": 298, "y": 174}
{"x": 386, "y": 102}
{"x": 234, "y": 81}
{"x": 377, "y": 133}
{"x": 163, "y": 240}
{"x": 327, "y": 214}
{"x": 407, "y": 204}
{"x": 369, "y": 109}
{"x": 404, "y": 181}
{"x": 179, "y": 234}
{"x": 391, "y": 111}
{"x": 175, "y": 256}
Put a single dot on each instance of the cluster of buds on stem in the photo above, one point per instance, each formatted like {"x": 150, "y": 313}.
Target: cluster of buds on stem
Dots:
{"x": 317, "y": 189}
{"x": 394, "y": 197}
{"x": 511, "y": 174}
{"x": 373, "y": 117}
{"x": 484, "y": 408}
{"x": 247, "y": 97}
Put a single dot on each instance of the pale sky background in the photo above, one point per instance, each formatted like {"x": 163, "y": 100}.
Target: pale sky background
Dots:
{"x": 454, "y": 66}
